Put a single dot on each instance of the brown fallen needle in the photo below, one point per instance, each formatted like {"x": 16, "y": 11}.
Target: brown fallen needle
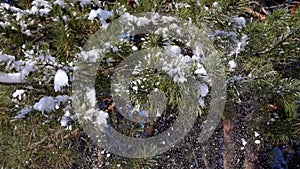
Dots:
{"x": 255, "y": 14}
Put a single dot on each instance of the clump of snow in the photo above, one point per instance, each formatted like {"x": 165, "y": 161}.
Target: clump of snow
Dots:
{"x": 103, "y": 15}
{"x": 220, "y": 33}
{"x": 11, "y": 78}
{"x": 256, "y": 134}
{"x": 40, "y": 7}
{"x": 96, "y": 116}
{"x": 144, "y": 113}
{"x": 168, "y": 19}
{"x": 48, "y": 103}
{"x": 232, "y": 65}
{"x": 65, "y": 18}
{"x": 182, "y": 5}
{"x": 140, "y": 21}
{"x": 179, "y": 77}
{"x": 177, "y": 67}
{"x": 27, "y": 32}
{"x": 134, "y": 48}
{"x": 101, "y": 117}
{"x": 203, "y": 89}
{"x": 110, "y": 60}
{"x": 61, "y": 3}
{"x": 236, "y": 44}
{"x": 18, "y": 93}
{"x": 173, "y": 50}
{"x": 198, "y": 51}
{"x": 6, "y": 58}
{"x": 240, "y": 46}
{"x": 93, "y": 14}
{"x": 115, "y": 49}
{"x": 29, "y": 67}
{"x": 45, "y": 104}
{"x": 60, "y": 80}
{"x": 244, "y": 142}
{"x": 201, "y": 102}
{"x": 62, "y": 98}
{"x": 200, "y": 70}
{"x": 33, "y": 10}
{"x": 137, "y": 69}
{"x": 135, "y": 88}
{"x": 240, "y": 22}
{"x": 44, "y": 11}
{"x": 22, "y": 113}
{"x": 90, "y": 56}
{"x": 47, "y": 58}
{"x": 23, "y": 67}
{"x": 85, "y": 2}
{"x": 257, "y": 141}
{"x": 143, "y": 21}
{"x": 65, "y": 119}
{"x": 91, "y": 95}
{"x": 215, "y": 4}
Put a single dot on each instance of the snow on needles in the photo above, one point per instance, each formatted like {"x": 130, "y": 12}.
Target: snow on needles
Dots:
{"x": 22, "y": 113}
{"x": 239, "y": 21}
{"x": 48, "y": 104}
{"x": 232, "y": 65}
{"x": 61, "y": 3}
{"x": 18, "y": 94}
{"x": 85, "y": 2}
{"x": 103, "y": 15}
{"x": 60, "y": 80}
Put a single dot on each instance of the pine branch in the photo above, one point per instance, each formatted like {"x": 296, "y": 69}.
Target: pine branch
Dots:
{"x": 276, "y": 43}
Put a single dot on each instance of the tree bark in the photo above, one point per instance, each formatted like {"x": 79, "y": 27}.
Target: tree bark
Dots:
{"x": 250, "y": 158}
{"x": 229, "y": 153}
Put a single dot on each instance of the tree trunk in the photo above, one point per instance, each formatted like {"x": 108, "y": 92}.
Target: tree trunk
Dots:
{"x": 229, "y": 153}
{"x": 250, "y": 158}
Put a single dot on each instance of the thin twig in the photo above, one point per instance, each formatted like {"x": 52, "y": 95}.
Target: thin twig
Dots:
{"x": 197, "y": 164}
{"x": 32, "y": 146}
